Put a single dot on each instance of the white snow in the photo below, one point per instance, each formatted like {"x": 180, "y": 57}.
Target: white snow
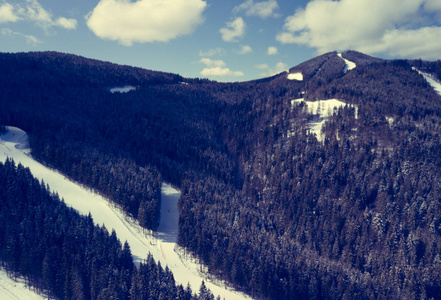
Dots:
{"x": 324, "y": 109}
{"x": 431, "y": 80}
{"x": 15, "y": 290}
{"x": 124, "y": 89}
{"x": 295, "y": 76}
{"x": 162, "y": 245}
{"x": 349, "y": 64}
{"x": 390, "y": 120}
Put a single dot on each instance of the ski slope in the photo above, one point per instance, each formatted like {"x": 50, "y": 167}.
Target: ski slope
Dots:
{"x": 162, "y": 244}
{"x": 435, "y": 84}
{"x": 323, "y": 109}
{"x": 349, "y": 64}
{"x": 15, "y": 290}
{"x": 295, "y": 76}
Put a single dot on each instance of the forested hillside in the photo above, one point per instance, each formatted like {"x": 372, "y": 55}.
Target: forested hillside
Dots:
{"x": 267, "y": 203}
{"x": 65, "y": 256}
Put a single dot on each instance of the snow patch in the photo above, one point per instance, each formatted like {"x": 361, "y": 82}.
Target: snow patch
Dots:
{"x": 323, "y": 109}
{"x": 434, "y": 83}
{"x": 349, "y": 64}
{"x": 295, "y": 76}
{"x": 11, "y": 289}
{"x": 390, "y": 120}
{"x": 124, "y": 89}
{"x": 162, "y": 244}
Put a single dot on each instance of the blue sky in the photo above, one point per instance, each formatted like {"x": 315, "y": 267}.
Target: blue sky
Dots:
{"x": 222, "y": 40}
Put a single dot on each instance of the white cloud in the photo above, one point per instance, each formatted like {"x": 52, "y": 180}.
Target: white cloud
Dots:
{"x": 418, "y": 43}
{"x": 212, "y": 52}
{"x": 145, "y": 20}
{"x": 397, "y": 27}
{"x": 222, "y": 72}
{"x": 268, "y": 71}
{"x": 262, "y": 9}
{"x": 218, "y": 68}
{"x": 35, "y": 12}
{"x": 234, "y": 30}
{"x": 212, "y": 63}
{"x": 30, "y": 39}
{"x": 272, "y": 51}
{"x": 245, "y": 49}
{"x": 32, "y": 11}
{"x": 7, "y": 13}
{"x": 66, "y": 23}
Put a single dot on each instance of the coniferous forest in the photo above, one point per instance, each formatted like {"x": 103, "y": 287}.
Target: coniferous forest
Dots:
{"x": 64, "y": 255}
{"x": 276, "y": 209}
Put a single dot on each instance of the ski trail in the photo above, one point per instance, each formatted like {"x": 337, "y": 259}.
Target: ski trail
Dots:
{"x": 142, "y": 242}
{"x": 435, "y": 84}
{"x": 349, "y": 64}
{"x": 11, "y": 289}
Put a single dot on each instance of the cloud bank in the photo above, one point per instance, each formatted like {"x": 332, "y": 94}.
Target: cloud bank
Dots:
{"x": 145, "y": 20}
{"x": 405, "y": 28}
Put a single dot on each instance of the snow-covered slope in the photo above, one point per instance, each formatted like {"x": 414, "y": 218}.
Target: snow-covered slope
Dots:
{"x": 432, "y": 81}
{"x": 324, "y": 109}
{"x": 295, "y": 76}
{"x": 15, "y": 290}
{"x": 161, "y": 245}
{"x": 349, "y": 64}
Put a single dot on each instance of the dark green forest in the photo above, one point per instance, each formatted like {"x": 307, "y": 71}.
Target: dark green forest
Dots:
{"x": 265, "y": 204}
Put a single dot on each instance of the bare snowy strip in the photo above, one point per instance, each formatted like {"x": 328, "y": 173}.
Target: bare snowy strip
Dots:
{"x": 162, "y": 246}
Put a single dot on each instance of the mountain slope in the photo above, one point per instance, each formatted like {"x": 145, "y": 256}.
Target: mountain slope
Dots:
{"x": 160, "y": 246}
{"x": 267, "y": 203}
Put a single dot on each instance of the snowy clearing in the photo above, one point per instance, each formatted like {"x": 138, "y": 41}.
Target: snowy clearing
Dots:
{"x": 162, "y": 245}
{"x": 295, "y": 76}
{"x": 431, "y": 80}
{"x": 324, "y": 109}
{"x": 349, "y": 64}
{"x": 124, "y": 89}
{"x": 390, "y": 120}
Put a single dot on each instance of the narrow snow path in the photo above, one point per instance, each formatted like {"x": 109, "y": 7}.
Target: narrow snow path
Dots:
{"x": 124, "y": 89}
{"x": 349, "y": 64}
{"x": 162, "y": 245}
{"x": 432, "y": 81}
